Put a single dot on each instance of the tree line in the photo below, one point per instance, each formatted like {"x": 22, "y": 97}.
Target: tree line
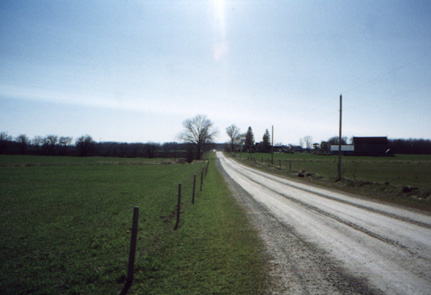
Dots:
{"x": 83, "y": 146}
{"x": 196, "y": 138}
{"x": 410, "y": 146}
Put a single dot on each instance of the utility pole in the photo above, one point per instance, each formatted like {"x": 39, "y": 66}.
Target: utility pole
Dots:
{"x": 339, "y": 138}
{"x": 272, "y": 146}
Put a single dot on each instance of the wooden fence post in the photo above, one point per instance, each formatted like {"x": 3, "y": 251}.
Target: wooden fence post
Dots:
{"x": 194, "y": 187}
{"x": 202, "y": 178}
{"x": 178, "y": 207}
{"x": 132, "y": 251}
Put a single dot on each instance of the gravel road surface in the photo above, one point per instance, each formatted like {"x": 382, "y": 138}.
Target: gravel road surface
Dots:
{"x": 327, "y": 242}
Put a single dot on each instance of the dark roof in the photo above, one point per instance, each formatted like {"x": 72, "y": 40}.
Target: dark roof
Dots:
{"x": 370, "y": 140}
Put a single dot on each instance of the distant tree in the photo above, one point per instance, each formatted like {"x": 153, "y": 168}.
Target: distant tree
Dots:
{"x": 50, "y": 144}
{"x": 38, "y": 142}
{"x": 234, "y": 135}
{"x": 170, "y": 149}
{"x": 198, "y": 132}
{"x": 266, "y": 142}
{"x": 325, "y": 147}
{"x": 410, "y": 146}
{"x": 190, "y": 152}
{"x": 249, "y": 140}
{"x": 84, "y": 145}
{"x": 5, "y": 140}
{"x": 64, "y": 142}
{"x": 334, "y": 140}
{"x": 23, "y": 142}
{"x": 151, "y": 149}
{"x": 308, "y": 140}
{"x": 135, "y": 149}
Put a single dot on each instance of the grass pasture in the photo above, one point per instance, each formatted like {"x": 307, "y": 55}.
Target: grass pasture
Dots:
{"x": 380, "y": 177}
{"x": 65, "y": 227}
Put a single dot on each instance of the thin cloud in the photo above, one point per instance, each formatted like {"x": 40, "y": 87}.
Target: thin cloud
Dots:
{"x": 102, "y": 100}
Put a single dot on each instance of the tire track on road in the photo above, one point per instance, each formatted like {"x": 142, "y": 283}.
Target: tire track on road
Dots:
{"x": 330, "y": 215}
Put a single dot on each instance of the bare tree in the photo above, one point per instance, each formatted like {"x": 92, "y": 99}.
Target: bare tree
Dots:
{"x": 84, "y": 144}
{"x": 151, "y": 148}
{"x": 50, "y": 144}
{"x": 38, "y": 142}
{"x": 198, "y": 132}
{"x": 5, "y": 139}
{"x": 64, "y": 142}
{"x": 23, "y": 142}
{"x": 235, "y": 136}
{"x": 334, "y": 140}
{"x": 308, "y": 140}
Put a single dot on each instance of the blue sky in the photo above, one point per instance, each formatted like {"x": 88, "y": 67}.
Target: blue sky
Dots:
{"x": 135, "y": 70}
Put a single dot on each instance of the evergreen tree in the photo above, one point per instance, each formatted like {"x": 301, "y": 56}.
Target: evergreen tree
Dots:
{"x": 266, "y": 142}
{"x": 249, "y": 140}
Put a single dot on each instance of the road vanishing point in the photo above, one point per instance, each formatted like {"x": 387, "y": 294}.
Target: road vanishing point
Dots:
{"x": 323, "y": 241}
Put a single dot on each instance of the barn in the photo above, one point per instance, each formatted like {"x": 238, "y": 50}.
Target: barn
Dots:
{"x": 371, "y": 146}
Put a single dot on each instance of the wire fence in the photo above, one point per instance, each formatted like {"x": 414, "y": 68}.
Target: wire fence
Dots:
{"x": 135, "y": 221}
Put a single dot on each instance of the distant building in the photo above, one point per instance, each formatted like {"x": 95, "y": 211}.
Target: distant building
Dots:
{"x": 371, "y": 146}
{"x": 346, "y": 149}
{"x": 295, "y": 149}
{"x": 281, "y": 149}
{"x": 361, "y": 146}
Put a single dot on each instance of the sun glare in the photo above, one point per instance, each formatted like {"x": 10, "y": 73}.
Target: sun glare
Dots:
{"x": 219, "y": 6}
{"x": 220, "y": 46}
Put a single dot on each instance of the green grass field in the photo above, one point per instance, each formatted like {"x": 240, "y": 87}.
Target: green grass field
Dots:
{"x": 382, "y": 177}
{"x": 65, "y": 227}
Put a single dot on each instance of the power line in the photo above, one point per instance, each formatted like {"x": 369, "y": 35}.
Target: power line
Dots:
{"x": 331, "y": 100}
{"x": 386, "y": 73}
{"x": 389, "y": 98}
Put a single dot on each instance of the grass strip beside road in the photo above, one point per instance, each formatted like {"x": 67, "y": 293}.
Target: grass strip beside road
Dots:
{"x": 402, "y": 179}
{"x": 215, "y": 250}
{"x": 65, "y": 228}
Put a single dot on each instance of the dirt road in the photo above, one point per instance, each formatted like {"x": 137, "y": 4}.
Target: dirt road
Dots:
{"x": 328, "y": 242}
